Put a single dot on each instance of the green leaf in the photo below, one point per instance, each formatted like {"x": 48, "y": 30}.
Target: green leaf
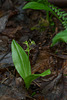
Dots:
{"x": 36, "y": 6}
{"x": 32, "y": 77}
{"x": 62, "y": 36}
{"x": 40, "y": 6}
{"x": 21, "y": 60}
{"x": 22, "y": 64}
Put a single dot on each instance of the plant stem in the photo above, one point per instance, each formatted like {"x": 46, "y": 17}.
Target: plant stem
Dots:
{"x": 47, "y": 15}
{"x": 28, "y": 54}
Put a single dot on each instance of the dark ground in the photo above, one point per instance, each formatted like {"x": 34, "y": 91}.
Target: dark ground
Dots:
{"x": 23, "y": 25}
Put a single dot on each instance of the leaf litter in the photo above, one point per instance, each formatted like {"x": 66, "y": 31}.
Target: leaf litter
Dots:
{"x": 42, "y": 57}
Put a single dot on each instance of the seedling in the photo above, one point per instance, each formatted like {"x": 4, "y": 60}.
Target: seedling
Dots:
{"x": 22, "y": 64}
{"x": 29, "y": 44}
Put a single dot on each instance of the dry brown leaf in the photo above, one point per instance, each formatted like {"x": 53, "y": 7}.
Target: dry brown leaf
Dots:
{"x": 10, "y": 32}
{"x": 44, "y": 61}
{"x": 7, "y": 98}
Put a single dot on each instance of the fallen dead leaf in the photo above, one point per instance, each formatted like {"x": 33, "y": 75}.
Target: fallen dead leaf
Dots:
{"x": 64, "y": 66}
{"x": 44, "y": 61}
{"x": 7, "y": 98}
{"x": 10, "y": 32}
{"x": 7, "y": 5}
{"x": 3, "y": 21}
{"x": 2, "y": 13}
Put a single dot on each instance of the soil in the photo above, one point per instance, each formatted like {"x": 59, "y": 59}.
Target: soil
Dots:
{"x": 23, "y": 25}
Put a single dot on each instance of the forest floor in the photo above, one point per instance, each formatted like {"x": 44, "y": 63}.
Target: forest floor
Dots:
{"x": 23, "y": 25}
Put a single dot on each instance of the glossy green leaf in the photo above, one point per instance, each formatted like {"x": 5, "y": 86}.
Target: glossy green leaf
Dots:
{"x": 36, "y": 6}
{"x": 30, "y": 78}
{"x": 40, "y": 6}
{"x": 62, "y": 36}
{"x": 21, "y": 60}
{"x": 22, "y": 64}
